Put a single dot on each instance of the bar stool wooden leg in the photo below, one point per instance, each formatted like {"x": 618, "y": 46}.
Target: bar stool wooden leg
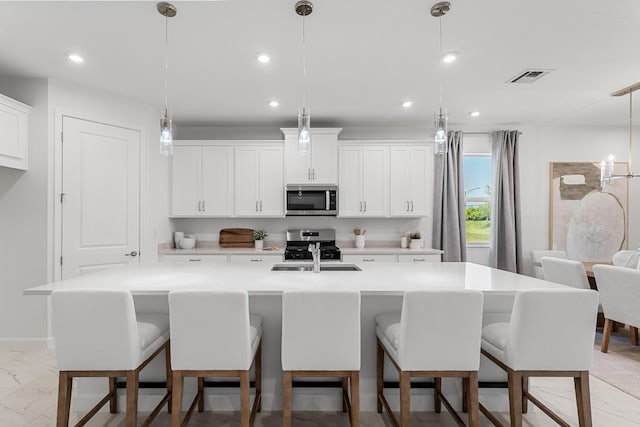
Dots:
{"x": 286, "y": 393}
{"x": 176, "y": 411}
{"x": 525, "y": 390}
{"x": 437, "y": 389}
{"x": 465, "y": 395}
{"x": 380, "y": 374}
{"x": 167, "y": 359}
{"x": 200, "y": 394}
{"x": 245, "y": 411}
{"x": 405, "y": 399}
{"x": 634, "y": 335}
{"x": 132, "y": 399}
{"x": 583, "y": 400}
{"x": 355, "y": 398}
{"x": 606, "y": 334}
{"x": 65, "y": 384}
{"x": 473, "y": 404}
{"x": 515, "y": 398}
{"x": 113, "y": 391}
{"x": 345, "y": 392}
{"x": 258, "y": 364}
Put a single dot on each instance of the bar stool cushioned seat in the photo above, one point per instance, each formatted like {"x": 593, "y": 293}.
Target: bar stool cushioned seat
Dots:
{"x": 321, "y": 338}
{"x": 437, "y": 335}
{"x": 99, "y": 334}
{"x": 551, "y": 334}
{"x": 214, "y": 335}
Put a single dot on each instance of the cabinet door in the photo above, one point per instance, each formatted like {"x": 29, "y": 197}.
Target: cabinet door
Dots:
{"x": 246, "y": 181}
{"x": 375, "y": 181}
{"x": 271, "y": 184}
{"x": 324, "y": 159}
{"x": 217, "y": 181}
{"x": 186, "y": 180}
{"x": 350, "y": 177}
{"x": 14, "y": 125}
{"x": 298, "y": 166}
{"x": 399, "y": 181}
{"x": 421, "y": 167}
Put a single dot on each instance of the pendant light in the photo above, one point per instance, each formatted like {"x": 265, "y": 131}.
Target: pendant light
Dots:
{"x": 606, "y": 178}
{"x": 304, "y": 8}
{"x": 166, "y": 121}
{"x": 440, "y": 117}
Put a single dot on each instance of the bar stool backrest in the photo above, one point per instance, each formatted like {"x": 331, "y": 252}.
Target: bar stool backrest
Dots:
{"x": 566, "y": 272}
{"x": 619, "y": 289}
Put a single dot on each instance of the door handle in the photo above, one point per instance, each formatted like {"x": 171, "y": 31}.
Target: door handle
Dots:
{"x": 132, "y": 253}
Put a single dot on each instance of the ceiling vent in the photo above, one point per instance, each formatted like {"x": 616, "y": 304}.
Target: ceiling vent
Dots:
{"x": 528, "y": 76}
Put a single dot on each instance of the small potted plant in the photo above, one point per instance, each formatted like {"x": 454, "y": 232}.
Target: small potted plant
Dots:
{"x": 416, "y": 240}
{"x": 258, "y": 237}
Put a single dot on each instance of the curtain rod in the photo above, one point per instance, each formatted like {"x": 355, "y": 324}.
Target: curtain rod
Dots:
{"x": 483, "y": 133}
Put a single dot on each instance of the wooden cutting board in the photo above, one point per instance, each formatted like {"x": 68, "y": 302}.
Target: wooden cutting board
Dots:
{"x": 236, "y": 238}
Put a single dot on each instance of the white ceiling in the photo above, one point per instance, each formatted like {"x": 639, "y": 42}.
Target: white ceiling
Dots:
{"x": 364, "y": 58}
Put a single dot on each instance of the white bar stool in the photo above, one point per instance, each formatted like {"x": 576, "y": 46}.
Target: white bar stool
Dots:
{"x": 565, "y": 271}
{"x": 437, "y": 335}
{"x": 98, "y": 334}
{"x": 213, "y": 335}
{"x": 321, "y": 338}
{"x": 550, "y": 334}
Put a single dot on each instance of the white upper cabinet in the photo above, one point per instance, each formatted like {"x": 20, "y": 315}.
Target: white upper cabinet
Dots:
{"x": 320, "y": 166}
{"x": 202, "y": 181}
{"x": 411, "y": 177}
{"x": 259, "y": 181}
{"x": 364, "y": 181}
{"x": 14, "y": 124}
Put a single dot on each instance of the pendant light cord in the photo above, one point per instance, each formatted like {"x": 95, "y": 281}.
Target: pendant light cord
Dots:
{"x": 440, "y": 62}
{"x": 629, "y": 169}
{"x": 166, "y": 62}
{"x": 304, "y": 65}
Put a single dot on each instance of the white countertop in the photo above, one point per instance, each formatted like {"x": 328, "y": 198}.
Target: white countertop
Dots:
{"x": 279, "y": 250}
{"x": 374, "y": 279}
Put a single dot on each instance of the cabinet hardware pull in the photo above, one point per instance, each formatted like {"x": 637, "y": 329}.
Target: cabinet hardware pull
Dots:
{"x": 365, "y": 205}
{"x": 256, "y": 206}
{"x": 368, "y": 260}
{"x": 256, "y": 260}
{"x": 194, "y": 259}
{"x": 407, "y": 206}
{"x": 360, "y": 205}
{"x": 204, "y": 206}
{"x": 309, "y": 174}
{"x": 260, "y": 205}
{"x": 132, "y": 253}
{"x": 313, "y": 174}
{"x": 412, "y": 206}
{"x": 419, "y": 260}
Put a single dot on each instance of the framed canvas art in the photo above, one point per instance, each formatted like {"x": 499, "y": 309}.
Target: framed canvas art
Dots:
{"x": 585, "y": 220}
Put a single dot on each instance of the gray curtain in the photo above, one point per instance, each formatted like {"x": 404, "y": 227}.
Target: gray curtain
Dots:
{"x": 449, "y": 231}
{"x": 505, "y": 250}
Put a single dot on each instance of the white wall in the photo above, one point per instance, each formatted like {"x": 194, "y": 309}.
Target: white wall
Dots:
{"x": 23, "y": 225}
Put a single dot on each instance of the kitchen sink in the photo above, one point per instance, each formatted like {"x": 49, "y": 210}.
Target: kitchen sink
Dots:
{"x": 309, "y": 267}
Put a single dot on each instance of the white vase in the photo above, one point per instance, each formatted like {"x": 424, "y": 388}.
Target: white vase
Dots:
{"x": 259, "y": 244}
{"x": 415, "y": 244}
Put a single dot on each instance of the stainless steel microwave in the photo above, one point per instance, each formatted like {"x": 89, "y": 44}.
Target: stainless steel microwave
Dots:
{"x": 311, "y": 200}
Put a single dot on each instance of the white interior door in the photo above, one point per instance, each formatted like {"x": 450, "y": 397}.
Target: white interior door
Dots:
{"x": 101, "y": 202}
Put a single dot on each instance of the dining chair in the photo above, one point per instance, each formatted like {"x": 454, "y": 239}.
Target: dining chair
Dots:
{"x": 99, "y": 334}
{"x": 619, "y": 289}
{"x": 626, "y": 258}
{"x": 538, "y": 254}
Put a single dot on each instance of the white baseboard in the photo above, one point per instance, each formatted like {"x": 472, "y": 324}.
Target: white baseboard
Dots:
{"x": 26, "y": 343}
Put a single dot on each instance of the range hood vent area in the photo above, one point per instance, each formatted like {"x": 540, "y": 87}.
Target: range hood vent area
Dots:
{"x": 529, "y": 76}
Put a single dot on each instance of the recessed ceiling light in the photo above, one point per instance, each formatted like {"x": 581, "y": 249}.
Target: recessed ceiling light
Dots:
{"x": 449, "y": 57}
{"x": 407, "y": 104}
{"x": 274, "y": 104}
{"x": 263, "y": 58}
{"x": 474, "y": 113}
{"x": 74, "y": 57}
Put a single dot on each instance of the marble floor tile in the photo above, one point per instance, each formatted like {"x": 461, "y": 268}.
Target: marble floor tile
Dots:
{"x": 29, "y": 392}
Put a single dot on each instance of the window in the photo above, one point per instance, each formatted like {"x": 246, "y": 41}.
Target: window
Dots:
{"x": 477, "y": 195}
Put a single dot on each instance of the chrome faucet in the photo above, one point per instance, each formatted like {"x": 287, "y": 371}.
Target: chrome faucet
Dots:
{"x": 315, "y": 253}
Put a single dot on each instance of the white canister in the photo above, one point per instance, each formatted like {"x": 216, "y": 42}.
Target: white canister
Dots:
{"x": 415, "y": 244}
{"x": 359, "y": 240}
{"x": 404, "y": 242}
{"x": 177, "y": 236}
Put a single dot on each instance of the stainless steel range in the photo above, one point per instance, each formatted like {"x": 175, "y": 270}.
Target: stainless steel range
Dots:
{"x": 298, "y": 242}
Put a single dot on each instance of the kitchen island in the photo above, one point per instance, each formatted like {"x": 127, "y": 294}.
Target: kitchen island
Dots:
{"x": 381, "y": 286}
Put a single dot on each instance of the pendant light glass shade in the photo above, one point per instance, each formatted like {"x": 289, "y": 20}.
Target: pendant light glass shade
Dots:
{"x": 304, "y": 131}
{"x": 166, "y": 134}
{"x": 440, "y": 121}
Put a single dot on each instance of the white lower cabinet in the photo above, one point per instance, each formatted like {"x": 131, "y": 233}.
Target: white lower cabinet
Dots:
{"x": 358, "y": 259}
{"x": 257, "y": 258}
{"x": 419, "y": 258}
{"x": 219, "y": 259}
